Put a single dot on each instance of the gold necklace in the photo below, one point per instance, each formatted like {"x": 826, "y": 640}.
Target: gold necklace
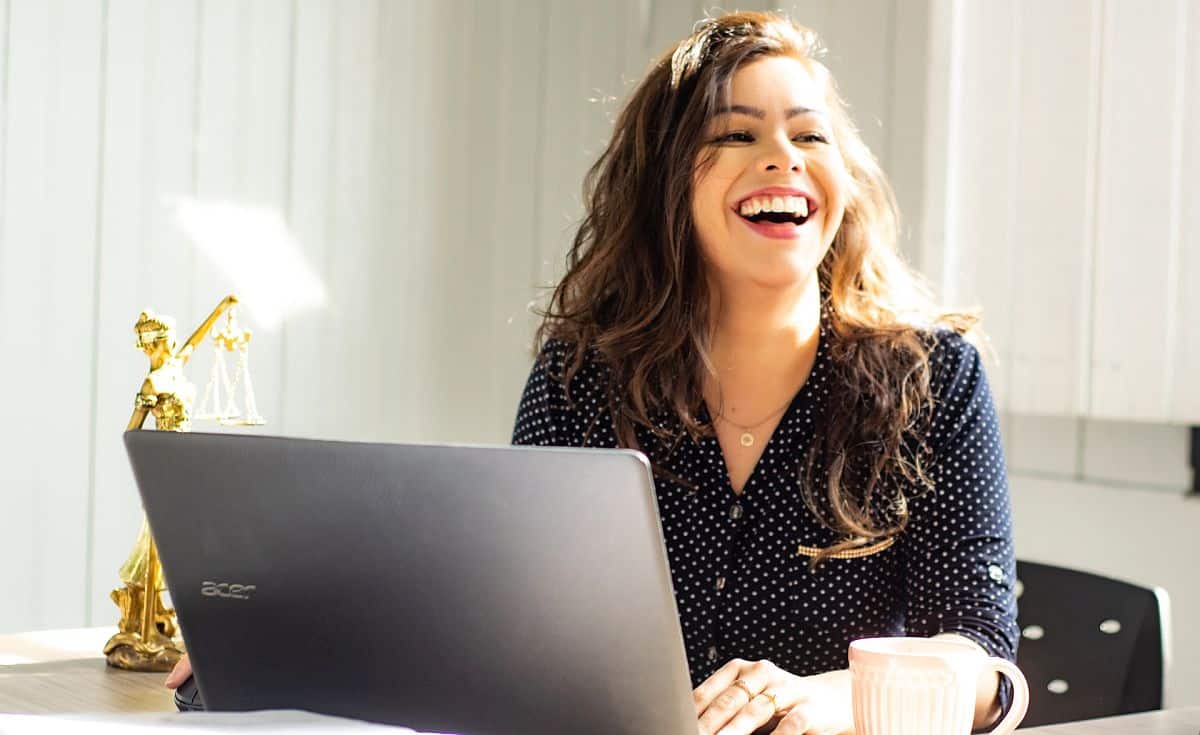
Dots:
{"x": 747, "y": 437}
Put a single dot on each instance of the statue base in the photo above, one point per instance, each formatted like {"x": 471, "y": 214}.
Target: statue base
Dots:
{"x": 146, "y": 639}
{"x": 126, "y": 651}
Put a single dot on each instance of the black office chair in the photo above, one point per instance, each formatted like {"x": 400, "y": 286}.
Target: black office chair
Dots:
{"x": 1090, "y": 646}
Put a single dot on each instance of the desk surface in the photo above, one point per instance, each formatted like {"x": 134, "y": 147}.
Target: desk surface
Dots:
{"x": 63, "y": 672}
{"x": 1181, "y": 721}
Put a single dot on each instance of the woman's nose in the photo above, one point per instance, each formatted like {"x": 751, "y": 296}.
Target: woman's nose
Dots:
{"x": 783, "y": 157}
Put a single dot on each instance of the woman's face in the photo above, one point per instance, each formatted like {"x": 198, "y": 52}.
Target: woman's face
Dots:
{"x": 772, "y": 199}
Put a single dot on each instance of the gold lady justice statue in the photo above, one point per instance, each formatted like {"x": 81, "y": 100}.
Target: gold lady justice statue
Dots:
{"x": 146, "y": 640}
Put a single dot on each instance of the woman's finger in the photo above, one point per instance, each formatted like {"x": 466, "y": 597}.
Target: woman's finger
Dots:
{"x": 722, "y": 710}
{"x": 751, "y": 716}
{"x": 180, "y": 673}
{"x": 713, "y": 686}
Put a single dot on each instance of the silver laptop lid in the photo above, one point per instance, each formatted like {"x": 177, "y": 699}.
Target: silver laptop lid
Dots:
{"x": 481, "y": 590}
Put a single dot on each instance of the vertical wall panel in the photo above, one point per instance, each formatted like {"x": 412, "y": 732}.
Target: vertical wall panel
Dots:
{"x": 1053, "y": 227}
{"x": 168, "y": 257}
{"x": 1185, "y": 389}
{"x": 399, "y": 274}
{"x": 266, "y": 118}
{"x": 21, "y": 248}
{"x": 120, "y": 366}
{"x": 241, "y": 159}
{"x": 563, "y": 159}
{"x": 224, "y": 68}
{"x": 501, "y": 327}
{"x": 145, "y": 261}
{"x": 1136, "y": 236}
{"x": 307, "y": 353}
{"x": 221, "y": 92}
{"x": 348, "y": 398}
{"x": 460, "y": 261}
{"x": 67, "y": 286}
{"x": 515, "y": 141}
{"x": 48, "y": 241}
{"x": 981, "y": 187}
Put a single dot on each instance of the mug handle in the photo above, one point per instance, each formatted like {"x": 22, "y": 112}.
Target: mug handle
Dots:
{"x": 1020, "y": 702}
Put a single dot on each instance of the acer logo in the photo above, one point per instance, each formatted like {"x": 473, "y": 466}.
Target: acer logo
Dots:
{"x": 225, "y": 589}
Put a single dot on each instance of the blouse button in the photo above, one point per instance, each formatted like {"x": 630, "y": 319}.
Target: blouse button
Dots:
{"x": 712, "y": 654}
{"x": 720, "y": 585}
{"x": 996, "y": 573}
{"x": 735, "y": 511}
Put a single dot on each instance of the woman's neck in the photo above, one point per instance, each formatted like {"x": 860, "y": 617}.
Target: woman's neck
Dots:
{"x": 764, "y": 332}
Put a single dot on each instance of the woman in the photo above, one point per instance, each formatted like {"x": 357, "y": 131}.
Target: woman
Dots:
{"x": 827, "y": 457}
{"x": 826, "y": 449}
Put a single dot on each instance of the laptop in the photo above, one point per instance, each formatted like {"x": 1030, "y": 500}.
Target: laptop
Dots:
{"x": 468, "y": 589}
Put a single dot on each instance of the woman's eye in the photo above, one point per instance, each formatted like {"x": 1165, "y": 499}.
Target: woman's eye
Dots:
{"x": 810, "y": 138}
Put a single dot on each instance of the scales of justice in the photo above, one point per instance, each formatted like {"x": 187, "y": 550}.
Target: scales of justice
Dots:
{"x": 147, "y": 637}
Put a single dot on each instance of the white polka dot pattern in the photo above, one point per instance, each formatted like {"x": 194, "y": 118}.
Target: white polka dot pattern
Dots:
{"x": 741, "y": 589}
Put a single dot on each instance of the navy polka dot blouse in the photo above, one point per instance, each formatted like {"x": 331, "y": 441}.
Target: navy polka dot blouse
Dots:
{"x": 742, "y": 583}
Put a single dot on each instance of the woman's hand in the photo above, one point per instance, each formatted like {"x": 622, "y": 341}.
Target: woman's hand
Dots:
{"x": 743, "y": 696}
{"x": 180, "y": 673}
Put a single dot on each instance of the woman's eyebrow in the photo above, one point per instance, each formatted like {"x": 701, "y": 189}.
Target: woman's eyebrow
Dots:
{"x": 760, "y": 114}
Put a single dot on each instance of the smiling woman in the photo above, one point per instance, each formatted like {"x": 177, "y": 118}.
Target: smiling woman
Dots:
{"x": 825, "y": 446}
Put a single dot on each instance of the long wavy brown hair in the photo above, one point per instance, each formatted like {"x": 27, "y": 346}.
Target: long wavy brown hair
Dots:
{"x": 636, "y": 297}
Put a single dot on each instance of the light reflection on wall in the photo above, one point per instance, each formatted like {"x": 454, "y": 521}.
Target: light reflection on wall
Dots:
{"x": 255, "y": 249}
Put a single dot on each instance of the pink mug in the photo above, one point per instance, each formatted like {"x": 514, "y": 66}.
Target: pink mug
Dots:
{"x": 925, "y": 686}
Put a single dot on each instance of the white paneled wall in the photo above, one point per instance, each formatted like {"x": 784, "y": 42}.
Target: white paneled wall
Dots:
{"x": 427, "y": 158}
{"x": 1068, "y": 211}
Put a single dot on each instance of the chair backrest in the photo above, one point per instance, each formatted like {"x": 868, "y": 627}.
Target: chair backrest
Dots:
{"x": 1090, "y": 646}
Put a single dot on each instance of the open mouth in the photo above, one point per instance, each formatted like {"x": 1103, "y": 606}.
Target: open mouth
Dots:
{"x": 776, "y": 215}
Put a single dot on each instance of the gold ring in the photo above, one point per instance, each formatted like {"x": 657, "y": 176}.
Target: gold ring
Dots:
{"x": 744, "y": 687}
{"x": 770, "y": 696}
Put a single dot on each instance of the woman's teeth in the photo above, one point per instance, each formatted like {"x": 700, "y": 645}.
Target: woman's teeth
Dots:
{"x": 797, "y": 206}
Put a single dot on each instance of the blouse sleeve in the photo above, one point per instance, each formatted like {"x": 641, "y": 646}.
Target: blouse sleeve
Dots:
{"x": 958, "y": 547}
{"x": 535, "y": 423}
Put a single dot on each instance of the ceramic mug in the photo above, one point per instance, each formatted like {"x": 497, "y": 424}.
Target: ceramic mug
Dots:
{"x": 925, "y": 686}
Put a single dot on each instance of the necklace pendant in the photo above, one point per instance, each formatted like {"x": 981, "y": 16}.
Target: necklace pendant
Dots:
{"x": 747, "y": 439}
